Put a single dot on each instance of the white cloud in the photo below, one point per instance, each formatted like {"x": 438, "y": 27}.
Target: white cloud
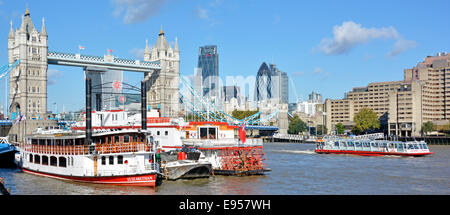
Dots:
{"x": 52, "y": 76}
{"x": 350, "y": 34}
{"x": 137, "y": 53}
{"x": 202, "y": 13}
{"x": 297, "y": 73}
{"x": 402, "y": 45}
{"x": 135, "y": 11}
{"x": 317, "y": 70}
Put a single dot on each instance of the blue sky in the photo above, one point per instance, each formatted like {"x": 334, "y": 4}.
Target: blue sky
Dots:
{"x": 326, "y": 46}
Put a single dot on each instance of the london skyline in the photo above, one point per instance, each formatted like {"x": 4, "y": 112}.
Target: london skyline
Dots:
{"x": 328, "y": 48}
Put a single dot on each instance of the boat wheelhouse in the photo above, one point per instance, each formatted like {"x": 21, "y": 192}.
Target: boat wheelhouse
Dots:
{"x": 373, "y": 147}
{"x": 123, "y": 157}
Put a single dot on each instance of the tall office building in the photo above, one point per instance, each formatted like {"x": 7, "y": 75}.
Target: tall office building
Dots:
{"x": 105, "y": 86}
{"x": 271, "y": 84}
{"x": 208, "y": 63}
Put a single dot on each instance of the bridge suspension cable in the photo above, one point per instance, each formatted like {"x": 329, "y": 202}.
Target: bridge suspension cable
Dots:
{"x": 4, "y": 71}
{"x": 208, "y": 110}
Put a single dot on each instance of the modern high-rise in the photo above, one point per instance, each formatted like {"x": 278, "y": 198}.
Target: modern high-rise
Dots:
{"x": 208, "y": 64}
{"x": 271, "y": 84}
{"x": 105, "y": 88}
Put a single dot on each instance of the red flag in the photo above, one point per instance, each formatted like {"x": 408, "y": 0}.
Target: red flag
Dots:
{"x": 80, "y": 47}
{"x": 109, "y": 50}
{"x": 242, "y": 133}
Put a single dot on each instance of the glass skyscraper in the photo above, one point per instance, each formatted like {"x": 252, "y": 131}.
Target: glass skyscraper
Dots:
{"x": 208, "y": 63}
{"x": 271, "y": 84}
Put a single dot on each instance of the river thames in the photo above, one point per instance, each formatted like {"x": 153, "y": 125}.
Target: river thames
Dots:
{"x": 296, "y": 170}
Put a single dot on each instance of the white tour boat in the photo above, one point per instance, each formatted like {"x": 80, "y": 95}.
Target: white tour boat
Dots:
{"x": 123, "y": 157}
{"x": 373, "y": 147}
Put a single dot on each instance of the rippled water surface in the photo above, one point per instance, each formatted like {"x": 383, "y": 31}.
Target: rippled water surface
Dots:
{"x": 296, "y": 169}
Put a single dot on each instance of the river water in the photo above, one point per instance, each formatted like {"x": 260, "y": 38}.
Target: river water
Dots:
{"x": 296, "y": 169}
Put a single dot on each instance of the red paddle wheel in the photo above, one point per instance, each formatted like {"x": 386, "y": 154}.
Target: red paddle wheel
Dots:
{"x": 242, "y": 160}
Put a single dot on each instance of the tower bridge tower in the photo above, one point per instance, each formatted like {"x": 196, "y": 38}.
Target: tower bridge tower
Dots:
{"x": 163, "y": 86}
{"x": 28, "y": 81}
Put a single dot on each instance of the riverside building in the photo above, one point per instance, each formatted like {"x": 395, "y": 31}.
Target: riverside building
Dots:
{"x": 402, "y": 106}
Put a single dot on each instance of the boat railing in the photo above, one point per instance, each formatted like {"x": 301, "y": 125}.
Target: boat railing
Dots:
{"x": 86, "y": 150}
{"x": 371, "y": 145}
{"x": 221, "y": 142}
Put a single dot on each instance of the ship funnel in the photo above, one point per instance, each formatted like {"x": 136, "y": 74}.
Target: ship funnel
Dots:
{"x": 143, "y": 106}
{"x": 88, "y": 140}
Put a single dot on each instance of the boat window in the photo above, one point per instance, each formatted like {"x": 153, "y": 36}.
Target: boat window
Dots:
{"x": 31, "y": 158}
{"x": 44, "y": 160}
{"x": 53, "y": 161}
{"x": 211, "y": 133}
{"x": 120, "y": 159}
{"x": 416, "y": 146}
{"x": 126, "y": 139}
{"x": 336, "y": 144}
{"x": 116, "y": 139}
{"x": 111, "y": 160}
{"x": 203, "y": 133}
{"x": 350, "y": 143}
{"x": 37, "y": 159}
{"x": 424, "y": 146}
{"x": 135, "y": 138}
{"x": 62, "y": 162}
{"x": 103, "y": 160}
{"x": 157, "y": 133}
{"x": 166, "y": 133}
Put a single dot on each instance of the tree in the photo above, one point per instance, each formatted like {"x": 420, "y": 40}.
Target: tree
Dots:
{"x": 365, "y": 119}
{"x": 340, "y": 128}
{"x": 427, "y": 127}
{"x": 242, "y": 114}
{"x": 297, "y": 125}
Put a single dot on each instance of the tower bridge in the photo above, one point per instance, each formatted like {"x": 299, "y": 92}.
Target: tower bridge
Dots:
{"x": 28, "y": 79}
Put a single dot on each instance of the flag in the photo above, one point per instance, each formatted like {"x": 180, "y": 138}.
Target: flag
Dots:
{"x": 110, "y": 50}
{"x": 80, "y": 47}
{"x": 242, "y": 132}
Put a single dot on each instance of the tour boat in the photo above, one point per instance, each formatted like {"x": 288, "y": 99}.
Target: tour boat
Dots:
{"x": 124, "y": 157}
{"x": 373, "y": 147}
{"x": 218, "y": 141}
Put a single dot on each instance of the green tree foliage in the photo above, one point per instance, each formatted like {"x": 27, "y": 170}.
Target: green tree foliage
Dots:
{"x": 297, "y": 125}
{"x": 340, "y": 128}
{"x": 365, "y": 119}
{"x": 427, "y": 127}
{"x": 321, "y": 129}
{"x": 242, "y": 114}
